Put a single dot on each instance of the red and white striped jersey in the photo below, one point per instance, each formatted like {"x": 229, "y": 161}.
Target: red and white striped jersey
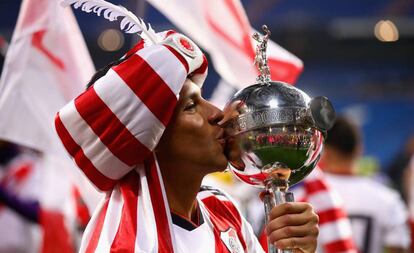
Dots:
{"x": 221, "y": 228}
{"x": 335, "y": 233}
{"x": 377, "y": 213}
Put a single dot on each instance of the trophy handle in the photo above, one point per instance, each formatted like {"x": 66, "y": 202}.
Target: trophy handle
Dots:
{"x": 277, "y": 196}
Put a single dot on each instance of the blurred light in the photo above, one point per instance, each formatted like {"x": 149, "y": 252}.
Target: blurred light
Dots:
{"x": 386, "y": 31}
{"x": 111, "y": 40}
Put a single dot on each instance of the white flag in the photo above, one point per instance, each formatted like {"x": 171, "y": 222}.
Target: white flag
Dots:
{"x": 47, "y": 64}
{"x": 221, "y": 27}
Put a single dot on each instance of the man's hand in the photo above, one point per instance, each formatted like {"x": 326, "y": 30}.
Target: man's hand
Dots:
{"x": 294, "y": 226}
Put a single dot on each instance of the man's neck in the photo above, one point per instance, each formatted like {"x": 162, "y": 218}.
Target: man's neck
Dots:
{"x": 181, "y": 188}
{"x": 344, "y": 167}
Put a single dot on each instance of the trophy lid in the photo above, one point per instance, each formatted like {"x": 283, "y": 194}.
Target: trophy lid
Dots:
{"x": 270, "y": 102}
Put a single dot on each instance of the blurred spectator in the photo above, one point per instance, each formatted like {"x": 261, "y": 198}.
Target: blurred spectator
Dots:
{"x": 409, "y": 189}
{"x": 378, "y": 214}
{"x": 395, "y": 170}
{"x": 335, "y": 233}
{"x": 26, "y": 224}
{"x": 7, "y": 152}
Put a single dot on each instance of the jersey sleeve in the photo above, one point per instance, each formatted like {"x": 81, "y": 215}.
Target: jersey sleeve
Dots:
{"x": 252, "y": 243}
{"x": 396, "y": 230}
{"x": 225, "y": 206}
{"x": 116, "y": 123}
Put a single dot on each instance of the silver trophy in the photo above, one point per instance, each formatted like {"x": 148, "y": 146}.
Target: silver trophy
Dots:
{"x": 277, "y": 131}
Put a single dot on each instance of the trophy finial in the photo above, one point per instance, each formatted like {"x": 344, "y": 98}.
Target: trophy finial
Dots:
{"x": 260, "y": 60}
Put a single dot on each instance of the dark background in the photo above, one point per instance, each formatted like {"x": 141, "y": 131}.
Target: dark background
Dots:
{"x": 370, "y": 80}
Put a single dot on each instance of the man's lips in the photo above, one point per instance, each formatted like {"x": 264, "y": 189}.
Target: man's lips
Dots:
{"x": 220, "y": 137}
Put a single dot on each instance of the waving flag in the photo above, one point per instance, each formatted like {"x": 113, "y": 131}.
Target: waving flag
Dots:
{"x": 222, "y": 28}
{"x": 47, "y": 64}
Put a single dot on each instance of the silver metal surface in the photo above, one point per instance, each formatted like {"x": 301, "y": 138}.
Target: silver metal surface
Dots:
{"x": 273, "y": 123}
{"x": 276, "y": 132}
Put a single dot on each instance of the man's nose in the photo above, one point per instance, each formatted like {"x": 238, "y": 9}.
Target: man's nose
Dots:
{"x": 216, "y": 115}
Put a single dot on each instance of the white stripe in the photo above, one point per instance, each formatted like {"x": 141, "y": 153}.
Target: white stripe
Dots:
{"x": 112, "y": 221}
{"x": 167, "y": 206}
{"x": 336, "y": 230}
{"x": 166, "y": 64}
{"x": 252, "y": 243}
{"x": 299, "y": 192}
{"x": 129, "y": 109}
{"x": 86, "y": 237}
{"x": 204, "y": 194}
{"x": 100, "y": 156}
{"x": 146, "y": 239}
{"x": 324, "y": 200}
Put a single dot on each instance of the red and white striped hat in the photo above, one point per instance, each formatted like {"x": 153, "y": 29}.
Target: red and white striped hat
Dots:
{"x": 117, "y": 122}
{"x": 111, "y": 129}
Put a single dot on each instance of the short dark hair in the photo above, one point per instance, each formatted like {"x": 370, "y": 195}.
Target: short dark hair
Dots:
{"x": 344, "y": 136}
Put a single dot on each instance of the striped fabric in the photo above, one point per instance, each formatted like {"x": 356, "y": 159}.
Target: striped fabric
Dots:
{"x": 110, "y": 131}
{"x": 335, "y": 234}
{"x": 334, "y": 227}
{"x": 224, "y": 216}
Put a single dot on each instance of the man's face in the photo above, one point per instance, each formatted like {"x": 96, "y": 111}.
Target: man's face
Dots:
{"x": 193, "y": 138}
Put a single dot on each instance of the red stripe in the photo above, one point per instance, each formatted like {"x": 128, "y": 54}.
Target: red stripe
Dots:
{"x": 202, "y": 68}
{"x": 101, "y": 181}
{"x": 315, "y": 186}
{"x": 224, "y": 215}
{"x": 137, "y": 47}
{"x": 93, "y": 242}
{"x": 161, "y": 220}
{"x": 179, "y": 57}
{"x": 331, "y": 215}
{"x": 82, "y": 212}
{"x": 124, "y": 240}
{"x": 263, "y": 240}
{"x": 340, "y": 246}
{"x": 111, "y": 131}
{"x": 56, "y": 237}
{"x": 148, "y": 86}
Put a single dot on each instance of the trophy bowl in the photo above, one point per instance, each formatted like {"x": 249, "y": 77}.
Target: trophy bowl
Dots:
{"x": 275, "y": 133}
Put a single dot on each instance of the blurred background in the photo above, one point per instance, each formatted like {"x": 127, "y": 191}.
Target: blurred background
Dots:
{"x": 360, "y": 54}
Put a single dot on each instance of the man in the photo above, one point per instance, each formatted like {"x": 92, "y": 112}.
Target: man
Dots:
{"x": 377, "y": 213}
{"x": 144, "y": 134}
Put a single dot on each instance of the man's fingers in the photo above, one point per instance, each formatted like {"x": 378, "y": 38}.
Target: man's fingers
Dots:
{"x": 289, "y": 208}
{"x": 294, "y": 232}
{"x": 301, "y": 243}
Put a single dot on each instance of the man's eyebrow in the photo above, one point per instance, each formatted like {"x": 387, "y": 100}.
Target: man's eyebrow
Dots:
{"x": 194, "y": 93}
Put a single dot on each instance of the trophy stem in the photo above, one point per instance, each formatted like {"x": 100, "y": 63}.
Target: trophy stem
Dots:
{"x": 276, "y": 194}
